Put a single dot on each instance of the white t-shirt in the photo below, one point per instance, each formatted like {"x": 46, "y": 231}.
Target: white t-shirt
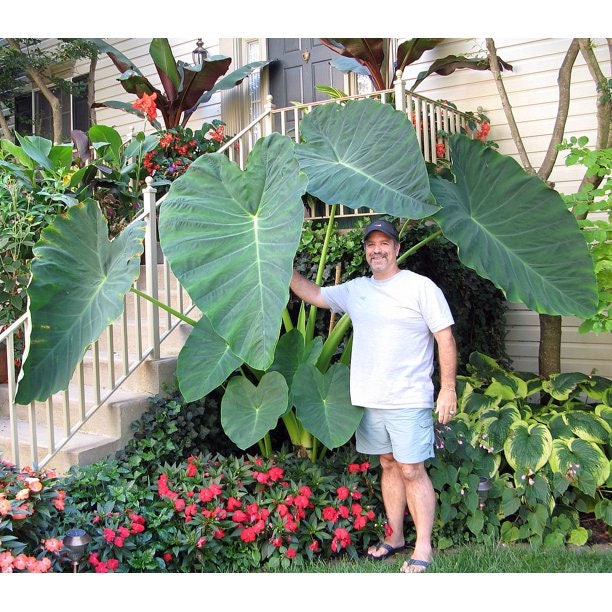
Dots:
{"x": 393, "y": 344}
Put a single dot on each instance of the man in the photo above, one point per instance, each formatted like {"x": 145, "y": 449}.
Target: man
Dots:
{"x": 396, "y": 315}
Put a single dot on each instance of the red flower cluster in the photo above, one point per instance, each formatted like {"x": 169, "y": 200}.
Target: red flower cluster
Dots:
{"x": 116, "y": 536}
{"x": 440, "y": 149}
{"x": 273, "y": 514}
{"x": 178, "y": 147}
{"x": 483, "y": 131}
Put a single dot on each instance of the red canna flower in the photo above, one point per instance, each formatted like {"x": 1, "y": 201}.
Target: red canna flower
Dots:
{"x": 146, "y": 104}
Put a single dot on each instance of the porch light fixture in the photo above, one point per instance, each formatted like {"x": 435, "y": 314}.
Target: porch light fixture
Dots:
{"x": 484, "y": 486}
{"x": 199, "y": 54}
{"x": 75, "y": 543}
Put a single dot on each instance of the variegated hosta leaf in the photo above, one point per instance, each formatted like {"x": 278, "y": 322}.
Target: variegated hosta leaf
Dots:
{"x": 494, "y": 424}
{"x": 482, "y": 366}
{"x": 560, "y": 386}
{"x": 600, "y": 389}
{"x": 507, "y": 386}
{"x": 79, "y": 280}
{"x": 249, "y": 412}
{"x": 528, "y": 446}
{"x": 576, "y": 456}
{"x": 474, "y": 402}
{"x": 605, "y": 412}
{"x": 588, "y": 426}
{"x": 350, "y": 157}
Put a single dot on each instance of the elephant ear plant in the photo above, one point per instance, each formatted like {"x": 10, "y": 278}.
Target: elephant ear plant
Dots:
{"x": 231, "y": 236}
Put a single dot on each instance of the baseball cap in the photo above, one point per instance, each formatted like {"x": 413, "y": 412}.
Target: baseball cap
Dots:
{"x": 381, "y": 226}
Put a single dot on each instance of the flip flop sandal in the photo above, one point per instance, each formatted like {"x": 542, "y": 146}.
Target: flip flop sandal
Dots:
{"x": 411, "y": 562}
{"x": 390, "y": 551}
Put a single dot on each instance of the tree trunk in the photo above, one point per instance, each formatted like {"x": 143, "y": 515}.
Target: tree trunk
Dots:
{"x": 6, "y": 132}
{"x": 39, "y": 80}
{"x": 549, "y": 355}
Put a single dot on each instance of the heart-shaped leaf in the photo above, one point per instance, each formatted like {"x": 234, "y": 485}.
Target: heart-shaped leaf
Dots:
{"x": 249, "y": 412}
{"x": 204, "y": 363}
{"x": 515, "y": 231}
{"x": 79, "y": 279}
{"x": 230, "y": 238}
{"x": 528, "y": 446}
{"x": 323, "y": 404}
{"x": 348, "y": 158}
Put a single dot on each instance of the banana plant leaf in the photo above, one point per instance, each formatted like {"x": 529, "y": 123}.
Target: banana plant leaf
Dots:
{"x": 528, "y": 447}
{"x": 323, "y": 404}
{"x": 249, "y": 412}
{"x": 230, "y": 238}
{"x": 79, "y": 279}
{"x": 365, "y": 154}
{"x": 515, "y": 231}
{"x": 204, "y": 363}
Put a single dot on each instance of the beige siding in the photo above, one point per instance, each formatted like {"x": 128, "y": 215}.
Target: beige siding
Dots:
{"x": 533, "y": 92}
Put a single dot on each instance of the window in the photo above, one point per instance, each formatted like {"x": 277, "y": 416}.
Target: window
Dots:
{"x": 33, "y": 112}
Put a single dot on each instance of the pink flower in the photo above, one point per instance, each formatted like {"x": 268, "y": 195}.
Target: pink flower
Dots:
{"x": 291, "y": 552}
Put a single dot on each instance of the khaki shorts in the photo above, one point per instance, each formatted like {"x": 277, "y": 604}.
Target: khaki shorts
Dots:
{"x": 407, "y": 433}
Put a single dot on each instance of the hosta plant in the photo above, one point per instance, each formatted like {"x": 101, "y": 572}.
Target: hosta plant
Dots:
{"x": 544, "y": 444}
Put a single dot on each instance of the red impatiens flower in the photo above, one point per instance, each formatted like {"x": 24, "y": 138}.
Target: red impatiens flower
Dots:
{"x": 342, "y": 492}
{"x": 291, "y": 552}
{"x": 248, "y": 534}
{"x": 146, "y": 104}
{"x": 275, "y": 473}
{"x": 109, "y": 534}
{"x": 314, "y": 546}
{"x": 330, "y": 514}
{"x": 440, "y": 149}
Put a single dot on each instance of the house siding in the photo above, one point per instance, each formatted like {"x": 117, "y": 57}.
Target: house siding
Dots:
{"x": 533, "y": 92}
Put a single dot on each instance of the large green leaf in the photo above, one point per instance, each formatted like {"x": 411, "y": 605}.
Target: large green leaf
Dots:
{"x": 588, "y": 426}
{"x": 561, "y": 385}
{"x": 231, "y": 236}
{"x": 204, "y": 363}
{"x": 323, "y": 404}
{"x": 365, "y": 153}
{"x": 249, "y": 412}
{"x": 528, "y": 446}
{"x": 515, "y": 231}
{"x": 79, "y": 279}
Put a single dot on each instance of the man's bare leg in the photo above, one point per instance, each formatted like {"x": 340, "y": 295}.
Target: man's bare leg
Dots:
{"x": 421, "y": 499}
{"x": 393, "y": 489}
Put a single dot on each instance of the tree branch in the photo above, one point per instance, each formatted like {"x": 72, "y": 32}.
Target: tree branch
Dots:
{"x": 563, "y": 81}
{"x": 493, "y": 62}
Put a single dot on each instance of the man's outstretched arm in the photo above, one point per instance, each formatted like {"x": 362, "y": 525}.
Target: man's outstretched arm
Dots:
{"x": 307, "y": 290}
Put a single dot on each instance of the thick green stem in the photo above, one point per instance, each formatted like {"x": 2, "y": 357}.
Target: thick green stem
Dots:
{"x": 165, "y": 307}
{"x": 328, "y": 233}
{"x": 333, "y": 341}
{"x": 417, "y": 246}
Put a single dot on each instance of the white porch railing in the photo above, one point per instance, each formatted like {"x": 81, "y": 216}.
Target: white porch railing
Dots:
{"x": 149, "y": 328}
{"x": 108, "y": 362}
